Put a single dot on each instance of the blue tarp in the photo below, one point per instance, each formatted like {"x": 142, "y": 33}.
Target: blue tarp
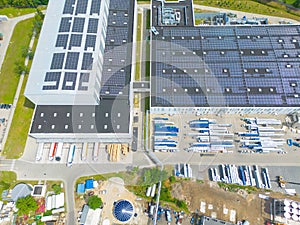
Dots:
{"x": 89, "y": 184}
{"x": 80, "y": 188}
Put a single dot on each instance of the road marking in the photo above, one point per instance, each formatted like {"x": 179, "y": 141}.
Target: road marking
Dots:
{"x": 12, "y": 165}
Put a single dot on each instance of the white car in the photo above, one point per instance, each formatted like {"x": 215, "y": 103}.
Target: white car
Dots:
{"x": 154, "y": 31}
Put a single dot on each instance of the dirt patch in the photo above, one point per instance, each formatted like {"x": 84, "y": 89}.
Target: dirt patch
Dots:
{"x": 218, "y": 202}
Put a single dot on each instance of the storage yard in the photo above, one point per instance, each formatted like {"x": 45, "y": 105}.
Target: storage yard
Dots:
{"x": 213, "y": 134}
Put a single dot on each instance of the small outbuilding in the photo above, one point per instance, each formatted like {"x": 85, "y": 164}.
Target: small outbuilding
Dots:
{"x": 80, "y": 188}
{"x": 21, "y": 190}
{"x": 89, "y": 184}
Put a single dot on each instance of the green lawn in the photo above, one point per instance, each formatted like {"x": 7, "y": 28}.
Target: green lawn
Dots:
{"x": 271, "y": 8}
{"x": 18, "y": 132}
{"x": 8, "y": 78}
{"x": 7, "y": 180}
{"x": 148, "y": 18}
{"x": 14, "y": 12}
{"x": 138, "y": 48}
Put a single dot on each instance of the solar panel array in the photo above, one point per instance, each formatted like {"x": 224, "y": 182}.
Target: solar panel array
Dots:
{"x": 84, "y": 79}
{"x": 90, "y": 42}
{"x": 81, "y": 7}
{"x": 57, "y": 61}
{"x": 68, "y": 8}
{"x": 117, "y": 57}
{"x": 62, "y": 40}
{"x": 87, "y": 61}
{"x": 69, "y": 81}
{"x": 226, "y": 66}
{"x": 72, "y": 60}
{"x": 95, "y": 8}
{"x": 76, "y": 40}
{"x": 51, "y": 80}
{"x": 93, "y": 26}
{"x": 78, "y": 24}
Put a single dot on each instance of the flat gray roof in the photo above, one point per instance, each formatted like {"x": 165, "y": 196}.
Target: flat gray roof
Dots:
{"x": 111, "y": 116}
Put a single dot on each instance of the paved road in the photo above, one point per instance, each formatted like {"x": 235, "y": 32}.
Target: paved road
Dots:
{"x": 272, "y": 19}
{"x": 7, "y": 28}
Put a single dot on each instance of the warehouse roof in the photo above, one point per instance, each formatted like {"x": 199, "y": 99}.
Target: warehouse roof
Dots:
{"x": 237, "y": 66}
{"x": 82, "y": 54}
{"x": 111, "y": 116}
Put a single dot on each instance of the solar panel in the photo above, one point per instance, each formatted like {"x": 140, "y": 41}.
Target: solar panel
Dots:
{"x": 62, "y": 40}
{"x": 57, "y": 61}
{"x": 95, "y": 7}
{"x": 90, "y": 42}
{"x": 72, "y": 60}
{"x": 93, "y": 26}
{"x": 78, "y": 24}
{"x": 53, "y": 78}
{"x": 69, "y": 81}
{"x": 65, "y": 24}
{"x": 75, "y": 40}
{"x": 68, "y": 8}
{"x": 81, "y": 6}
{"x": 84, "y": 78}
{"x": 87, "y": 61}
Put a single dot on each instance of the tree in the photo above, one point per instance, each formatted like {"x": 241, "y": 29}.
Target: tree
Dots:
{"x": 26, "y": 205}
{"x": 56, "y": 188}
{"x": 26, "y": 51}
{"x": 20, "y": 68}
{"x": 153, "y": 176}
{"x": 38, "y": 21}
{"x": 296, "y": 4}
{"x": 94, "y": 202}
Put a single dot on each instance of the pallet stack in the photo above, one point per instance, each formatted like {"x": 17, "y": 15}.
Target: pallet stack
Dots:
{"x": 115, "y": 150}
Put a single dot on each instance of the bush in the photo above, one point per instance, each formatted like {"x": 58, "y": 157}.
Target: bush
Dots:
{"x": 94, "y": 202}
{"x": 26, "y": 205}
{"x": 153, "y": 176}
{"x": 56, "y": 188}
{"x": 172, "y": 179}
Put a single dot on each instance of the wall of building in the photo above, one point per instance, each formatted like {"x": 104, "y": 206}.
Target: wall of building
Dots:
{"x": 92, "y": 137}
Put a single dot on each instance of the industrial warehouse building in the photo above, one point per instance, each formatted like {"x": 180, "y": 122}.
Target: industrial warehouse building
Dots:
{"x": 221, "y": 69}
{"x": 81, "y": 72}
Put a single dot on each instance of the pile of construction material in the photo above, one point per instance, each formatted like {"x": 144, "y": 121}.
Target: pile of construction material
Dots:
{"x": 261, "y": 137}
{"x": 165, "y": 134}
{"x": 288, "y": 209}
{"x": 115, "y": 151}
{"x": 211, "y": 137}
{"x": 242, "y": 175}
{"x": 151, "y": 191}
{"x": 183, "y": 170}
